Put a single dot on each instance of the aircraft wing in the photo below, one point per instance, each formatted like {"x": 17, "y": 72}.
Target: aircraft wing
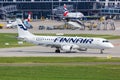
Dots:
{"x": 64, "y": 47}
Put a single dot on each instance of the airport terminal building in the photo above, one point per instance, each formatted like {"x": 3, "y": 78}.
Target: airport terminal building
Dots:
{"x": 39, "y": 8}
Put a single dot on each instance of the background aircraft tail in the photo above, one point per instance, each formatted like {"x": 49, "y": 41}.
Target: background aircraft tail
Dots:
{"x": 22, "y": 30}
{"x": 29, "y": 17}
{"x": 65, "y": 10}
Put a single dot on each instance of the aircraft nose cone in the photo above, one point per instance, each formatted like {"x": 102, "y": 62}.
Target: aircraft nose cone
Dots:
{"x": 111, "y": 46}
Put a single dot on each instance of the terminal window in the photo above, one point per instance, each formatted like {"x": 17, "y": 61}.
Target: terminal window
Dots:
{"x": 36, "y": 0}
{"x": 92, "y": 0}
{"x": 55, "y": 0}
{"x": 112, "y": 0}
{"x": 102, "y": 0}
{"x": 27, "y": 0}
{"x": 116, "y": 11}
{"x": 83, "y": 0}
{"x": 19, "y": 0}
{"x": 76, "y": 0}
{"x": 64, "y": 0}
{"x": 9, "y": 0}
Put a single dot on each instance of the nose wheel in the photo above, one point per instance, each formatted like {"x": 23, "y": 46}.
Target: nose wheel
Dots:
{"x": 101, "y": 51}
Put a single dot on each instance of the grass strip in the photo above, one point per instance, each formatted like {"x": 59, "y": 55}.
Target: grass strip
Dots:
{"x": 55, "y": 59}
{"x": 57, "y": 72}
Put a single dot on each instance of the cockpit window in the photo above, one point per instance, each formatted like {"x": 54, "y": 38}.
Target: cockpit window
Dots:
{"x": 105, "y": 41}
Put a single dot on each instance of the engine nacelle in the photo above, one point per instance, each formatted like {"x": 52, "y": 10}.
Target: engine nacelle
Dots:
{"x": 67, "y": 48}
{"x": 82, "y": 49}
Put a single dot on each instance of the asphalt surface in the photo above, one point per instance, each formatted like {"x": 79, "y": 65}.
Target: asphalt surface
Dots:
{"x": 65, "y": 31}
{"x": 49, "y": 52}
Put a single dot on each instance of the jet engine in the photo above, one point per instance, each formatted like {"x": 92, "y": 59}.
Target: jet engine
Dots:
{"x": 67, "y": 48}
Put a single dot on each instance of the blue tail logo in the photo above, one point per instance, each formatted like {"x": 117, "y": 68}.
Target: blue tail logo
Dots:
{"x": 22, "y": 27}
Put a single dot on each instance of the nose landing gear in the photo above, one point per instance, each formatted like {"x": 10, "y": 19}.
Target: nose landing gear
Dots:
{"x": 101, "y": 51}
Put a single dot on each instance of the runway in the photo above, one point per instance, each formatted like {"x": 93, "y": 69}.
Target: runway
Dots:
{"x": 39, "y": 51}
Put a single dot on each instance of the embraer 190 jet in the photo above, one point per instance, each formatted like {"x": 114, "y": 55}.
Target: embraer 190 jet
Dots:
{"x": 67, "y": 44}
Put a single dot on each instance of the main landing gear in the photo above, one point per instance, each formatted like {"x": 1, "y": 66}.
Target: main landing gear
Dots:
{"x": 57, "y": 50}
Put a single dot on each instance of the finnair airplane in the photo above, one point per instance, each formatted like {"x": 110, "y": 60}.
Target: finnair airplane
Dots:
{"x": 67, "y": 44}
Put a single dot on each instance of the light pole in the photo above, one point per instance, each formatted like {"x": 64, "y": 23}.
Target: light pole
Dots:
{"x": 52, "y": 10}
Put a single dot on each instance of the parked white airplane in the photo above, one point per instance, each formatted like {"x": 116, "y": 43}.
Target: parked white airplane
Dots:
{"x": 13, "y": 24}
{"x": 72, "y": 14}
{"x": 64, "y": 43}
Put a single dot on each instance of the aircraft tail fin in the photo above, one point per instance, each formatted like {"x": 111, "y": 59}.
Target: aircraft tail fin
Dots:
{"x": 65, "y": 6}
{"x": 29, "y": 17}
{"x": 65, "y": 10}
{"x": 22, "y": 30}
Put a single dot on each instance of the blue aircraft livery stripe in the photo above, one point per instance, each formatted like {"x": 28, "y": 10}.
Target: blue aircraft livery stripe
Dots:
{"x": 73, "y": 40}
{"x": 22, "y": 27}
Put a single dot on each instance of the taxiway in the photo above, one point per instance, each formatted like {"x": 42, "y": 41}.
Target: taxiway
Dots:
{"x": 39, "y": 51}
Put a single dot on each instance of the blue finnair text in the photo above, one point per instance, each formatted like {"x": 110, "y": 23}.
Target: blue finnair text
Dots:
{"x": 73, "y": 40}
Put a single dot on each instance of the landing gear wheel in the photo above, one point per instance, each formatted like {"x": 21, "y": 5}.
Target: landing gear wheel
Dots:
{"x": 101, "y": 51}
{"x": 57, "y": 51}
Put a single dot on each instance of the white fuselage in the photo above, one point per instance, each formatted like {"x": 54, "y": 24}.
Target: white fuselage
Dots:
{"x": 75, "y": 42}
{"x": 11, "y": 24}
{"x": 75, "y": 15}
